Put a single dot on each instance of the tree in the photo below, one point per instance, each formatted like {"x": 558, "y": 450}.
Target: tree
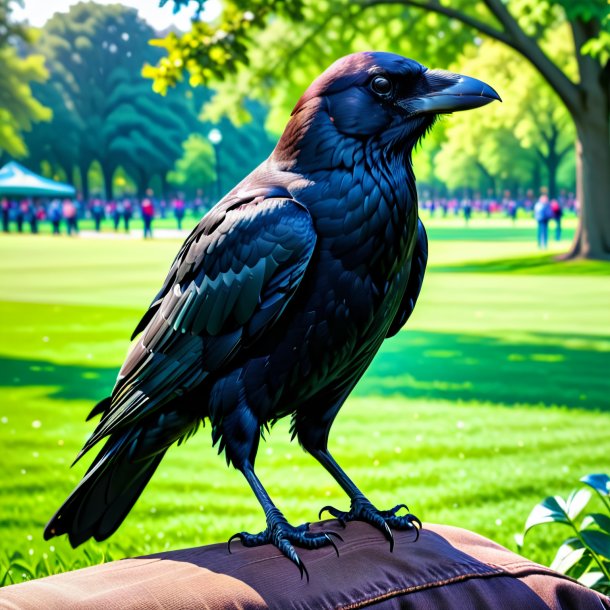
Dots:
{"x": 526, "y": 26}
{"x": 18, "y": 107}
{"x": 196, "y": 169}
{"x": 533, "y": 128}
{"x": 106, "y": 109}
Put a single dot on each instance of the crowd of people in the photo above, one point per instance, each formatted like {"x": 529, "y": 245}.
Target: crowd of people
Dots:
{"x": 65, "y": 215}
{"x": 542, "y": 208}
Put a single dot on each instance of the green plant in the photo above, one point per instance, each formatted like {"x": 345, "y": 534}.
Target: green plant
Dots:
{"x": 585, "y": 555}
{"x": 17, "y": 567}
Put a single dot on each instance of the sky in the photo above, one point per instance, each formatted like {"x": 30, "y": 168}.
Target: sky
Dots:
{"x": 38, "y": 11}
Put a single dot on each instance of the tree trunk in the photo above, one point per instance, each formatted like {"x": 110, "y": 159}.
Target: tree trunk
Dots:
{"x": 592, "y": 238}
{"x": 164, "y": 185}
{"x": 108, "y": 174}
{"x": 552, "y": 165}
{"x": 84, "y": 181}
{"x": 142, "y": 184}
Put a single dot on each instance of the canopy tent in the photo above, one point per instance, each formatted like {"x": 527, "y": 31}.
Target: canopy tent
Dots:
{"x": 18, "y": 180}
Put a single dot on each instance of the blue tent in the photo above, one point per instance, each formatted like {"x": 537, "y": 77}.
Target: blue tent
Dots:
{"x": 18, "y": 180}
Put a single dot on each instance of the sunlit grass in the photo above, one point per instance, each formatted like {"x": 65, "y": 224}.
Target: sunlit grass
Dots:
{"x": 495, "y": 397}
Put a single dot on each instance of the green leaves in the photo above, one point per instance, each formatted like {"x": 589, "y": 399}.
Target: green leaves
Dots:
{"x": 599, "y": 482}
{"x": 550, "y": 510}
{"x": 586, "y": 554}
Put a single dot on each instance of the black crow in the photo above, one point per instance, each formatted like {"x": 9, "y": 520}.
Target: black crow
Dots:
{"x": 280, "y": 298}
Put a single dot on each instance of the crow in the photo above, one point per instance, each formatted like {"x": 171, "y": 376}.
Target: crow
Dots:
{"x": 279, "y": 299}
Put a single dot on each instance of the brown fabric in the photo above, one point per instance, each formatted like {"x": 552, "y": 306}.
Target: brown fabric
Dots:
{"x": 446, "y": 568}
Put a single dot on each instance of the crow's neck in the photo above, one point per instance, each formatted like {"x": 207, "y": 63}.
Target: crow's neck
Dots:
{"x": 312, "y": 147}
{"x": 361, "y": 191}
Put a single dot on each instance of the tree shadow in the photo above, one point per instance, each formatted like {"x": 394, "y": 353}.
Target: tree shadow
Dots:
{"x": 535, "y": 369}
{"x": 65, "y": 381}
{"x": 531, "y": 368}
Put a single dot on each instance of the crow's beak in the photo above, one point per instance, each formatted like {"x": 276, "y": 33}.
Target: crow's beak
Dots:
{"x": 448, "y": 92}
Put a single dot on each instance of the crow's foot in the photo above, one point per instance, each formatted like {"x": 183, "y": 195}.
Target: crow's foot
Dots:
{"x": 283, "y": 536}
{"x": 362, "y": 510}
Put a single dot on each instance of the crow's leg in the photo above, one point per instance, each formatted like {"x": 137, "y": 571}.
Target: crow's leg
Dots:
{"x": 361, "y": 508}
{"x": 313, "y": 436}
{"x": 279, "y": 532}
{"x": 240, "y": 434}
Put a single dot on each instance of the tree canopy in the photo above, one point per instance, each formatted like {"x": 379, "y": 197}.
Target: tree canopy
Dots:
{"x": 249, "y": 46}
{"x": 106, "y": 109}
{"x": 19, "y": 109}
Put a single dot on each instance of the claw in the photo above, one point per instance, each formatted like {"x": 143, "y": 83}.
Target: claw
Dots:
{"x": 416, "y": 534}
{"x": 302, "y": 568}
{"x": 335, "y": 535}
{"x": 332, "y": 543}
{"x": 333, "y": 512}
{"x": 389, "y": 535}
{"x": 414, "y": 519}
{"x": 233, "y": 537}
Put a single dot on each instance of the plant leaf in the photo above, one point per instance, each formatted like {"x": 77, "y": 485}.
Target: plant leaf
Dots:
{"x": 592, "y": 579}
{"x": 577, "y": 500}
{"x": 602, "y": 521}
{"x": 551, "y": 510}
{"x": 519, "y": 541}
{"x": 598, "y": 541}
{"x": 568, "y": 555}
{"x": 599, "y": 482}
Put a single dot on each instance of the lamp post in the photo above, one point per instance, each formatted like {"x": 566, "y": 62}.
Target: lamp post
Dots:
{"x": 215, "y": 137}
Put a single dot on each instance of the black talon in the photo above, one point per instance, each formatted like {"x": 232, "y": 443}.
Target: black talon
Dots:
{"x": 328, "y": 509}
{"x": 413, "y": 518}
{"x": 233, "y": 537}
{"x": 389, "y": 535}
{"x": 335, "y": 535}
{"x": 416, "y": 534}
{"x": 332, "y": 543}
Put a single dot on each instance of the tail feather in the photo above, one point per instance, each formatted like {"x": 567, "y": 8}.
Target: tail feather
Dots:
{"x": 102, "y": 500}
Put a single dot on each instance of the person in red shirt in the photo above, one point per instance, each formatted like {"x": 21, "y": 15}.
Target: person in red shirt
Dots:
{"x": 148, "y": 213}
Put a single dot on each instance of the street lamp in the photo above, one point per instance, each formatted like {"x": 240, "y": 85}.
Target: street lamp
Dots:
{"x": 215, "y": 137}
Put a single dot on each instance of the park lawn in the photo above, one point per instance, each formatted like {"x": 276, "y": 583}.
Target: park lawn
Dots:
{"x": 495, "y": 396}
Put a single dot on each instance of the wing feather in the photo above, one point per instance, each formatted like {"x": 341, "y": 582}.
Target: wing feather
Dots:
{"x": 228, "y": 283}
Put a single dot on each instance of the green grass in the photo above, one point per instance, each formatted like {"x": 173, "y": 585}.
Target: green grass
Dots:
{"x": 496, "y": 396}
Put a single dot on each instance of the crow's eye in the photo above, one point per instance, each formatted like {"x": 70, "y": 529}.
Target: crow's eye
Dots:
{"x": 381, "y": 86}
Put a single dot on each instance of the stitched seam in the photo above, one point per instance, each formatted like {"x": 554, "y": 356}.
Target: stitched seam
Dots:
{"x": 421, "y": 587}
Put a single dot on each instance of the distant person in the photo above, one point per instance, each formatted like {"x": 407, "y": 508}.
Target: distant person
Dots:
{"x": 511, "y": 210}
{"x": 148, "y": 213}
{"x": 119, "y": 211}
{"x": 127, "y": 214}
{"x": 70, "y": 214}
{"x": 55, "y": 213}
{"x": 557, "y": 213}
{"x": 467, "y": 210}
{"x": 6, "y": 215}
{"x": 20, "y": 215}
{"x": 542, "y": 214}
{"x": 178, "y": 207}
{"x": 97, "y": 212}
{"x": 32, "y": 217}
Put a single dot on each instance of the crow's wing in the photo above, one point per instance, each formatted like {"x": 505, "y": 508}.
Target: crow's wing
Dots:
{"x": 231, "y": 281}
{"x": 416, "y": 278}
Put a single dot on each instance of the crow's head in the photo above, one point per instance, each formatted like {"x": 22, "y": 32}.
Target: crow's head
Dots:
{"x": 389, "y": 97}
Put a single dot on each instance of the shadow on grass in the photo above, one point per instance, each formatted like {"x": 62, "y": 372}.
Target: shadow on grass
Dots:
{"x": 537, "y": 369}
{"x": 533, "y": 368}
{"x": 66, "y": 382}
{"x": 541, "y": 264}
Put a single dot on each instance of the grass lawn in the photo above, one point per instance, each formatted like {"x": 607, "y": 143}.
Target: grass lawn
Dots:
{"x": 497, "y": 395}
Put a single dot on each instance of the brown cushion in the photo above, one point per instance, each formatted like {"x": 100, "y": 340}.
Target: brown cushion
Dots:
{"x": 447, "y": 567}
